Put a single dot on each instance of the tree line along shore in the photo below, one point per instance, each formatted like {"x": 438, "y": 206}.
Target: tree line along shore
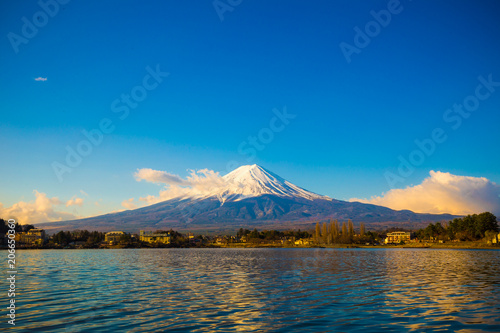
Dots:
{"x": 471, "y": 231}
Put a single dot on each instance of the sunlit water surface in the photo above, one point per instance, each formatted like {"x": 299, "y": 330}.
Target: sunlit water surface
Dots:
{"x": 258, "y": 290}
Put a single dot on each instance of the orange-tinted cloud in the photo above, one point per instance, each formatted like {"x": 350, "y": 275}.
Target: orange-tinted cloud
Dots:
{"x": 443, "y": 192}
{"x": 129, "y": 204}
{"x": 42, "y": 209}
{"x": 75, "y": 201}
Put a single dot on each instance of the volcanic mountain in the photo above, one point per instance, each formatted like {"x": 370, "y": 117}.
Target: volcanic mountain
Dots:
{"x": 254, "y": 181}
{"x": 249, "y": 196}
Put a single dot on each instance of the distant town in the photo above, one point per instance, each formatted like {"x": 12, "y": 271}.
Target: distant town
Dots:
{"x": 470, "y": 231}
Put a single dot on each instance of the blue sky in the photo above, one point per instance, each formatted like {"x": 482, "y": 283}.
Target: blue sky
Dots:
{"x": 353, "y": 120}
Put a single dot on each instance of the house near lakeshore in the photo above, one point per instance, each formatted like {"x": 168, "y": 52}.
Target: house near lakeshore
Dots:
{"x": 31, "y": 237}
{"x": 113, "y": 236}
{"x": 219, "y": 240}
{"x": 397, "y": 237}
{"x": 303, "y": 241}
{"x": 155, "y": 237}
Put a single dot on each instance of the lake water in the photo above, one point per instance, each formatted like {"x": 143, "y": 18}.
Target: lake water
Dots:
{"x": 258, "y": 290}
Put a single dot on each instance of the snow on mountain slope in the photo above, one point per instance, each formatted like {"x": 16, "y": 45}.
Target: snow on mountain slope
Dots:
{"x": 247, "y": 197}
{"x": 253, "y": 180}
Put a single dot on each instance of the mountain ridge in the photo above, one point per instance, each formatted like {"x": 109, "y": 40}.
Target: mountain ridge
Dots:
{"x": 250, "y": 181}
{"x": 246, "y": 197}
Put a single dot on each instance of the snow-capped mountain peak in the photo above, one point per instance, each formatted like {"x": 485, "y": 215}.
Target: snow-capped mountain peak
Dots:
{"x": 253, "y": 180}
{"x": 237, "y": 198}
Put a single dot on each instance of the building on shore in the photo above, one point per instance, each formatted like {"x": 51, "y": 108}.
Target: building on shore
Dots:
{"x": 31, "y": 237}
{"x": 154, "y": 237}
{"x": 113, "y": 236}
{"x": 220, "y": 240}
{"x": 303, "y": 241}
{"x": 397, "y": 237}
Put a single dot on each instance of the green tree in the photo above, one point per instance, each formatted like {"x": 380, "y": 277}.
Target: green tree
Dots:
{"x": 18, "y": 227}
{"x": 4, "y": 228}
{"x": 126, "y": 239}
{"x": 28, "y": 227}
{"x": 472, "y": 227}
{"x": 336, "y": 231}
{"x": 345, "y": 236}
{"x": 331, "y": 232}
{"x": 254, "y": 234}
{"x": 325, "y": 233}
{"x": 484, "y": 222}
{"x": 318, "y": 233}
{"x": 439, "y": 231}
{"x": 351, "y": 229}
{"x": 62, "y": 238}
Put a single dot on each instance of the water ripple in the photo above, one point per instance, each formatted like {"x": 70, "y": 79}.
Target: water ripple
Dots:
{"x": 257, "y": 290}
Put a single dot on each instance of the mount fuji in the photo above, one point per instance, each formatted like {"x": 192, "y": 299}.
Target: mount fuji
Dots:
{"x": 253, "y": 181}
{"x": 249, "y": 196}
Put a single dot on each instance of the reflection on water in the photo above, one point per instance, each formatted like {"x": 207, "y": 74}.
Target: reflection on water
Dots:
{"x": 259, "y": 290}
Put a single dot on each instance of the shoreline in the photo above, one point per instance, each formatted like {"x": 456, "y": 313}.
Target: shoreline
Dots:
{"x": 441, "y": 246}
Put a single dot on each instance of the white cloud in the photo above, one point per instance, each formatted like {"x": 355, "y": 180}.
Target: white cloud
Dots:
{"x": 155, "y": 176}
{"x": 198, "y": 183}
{"x": 42, "y": 209}
{"x": 443, "y": 192}
{"x": 43, "y": 79}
